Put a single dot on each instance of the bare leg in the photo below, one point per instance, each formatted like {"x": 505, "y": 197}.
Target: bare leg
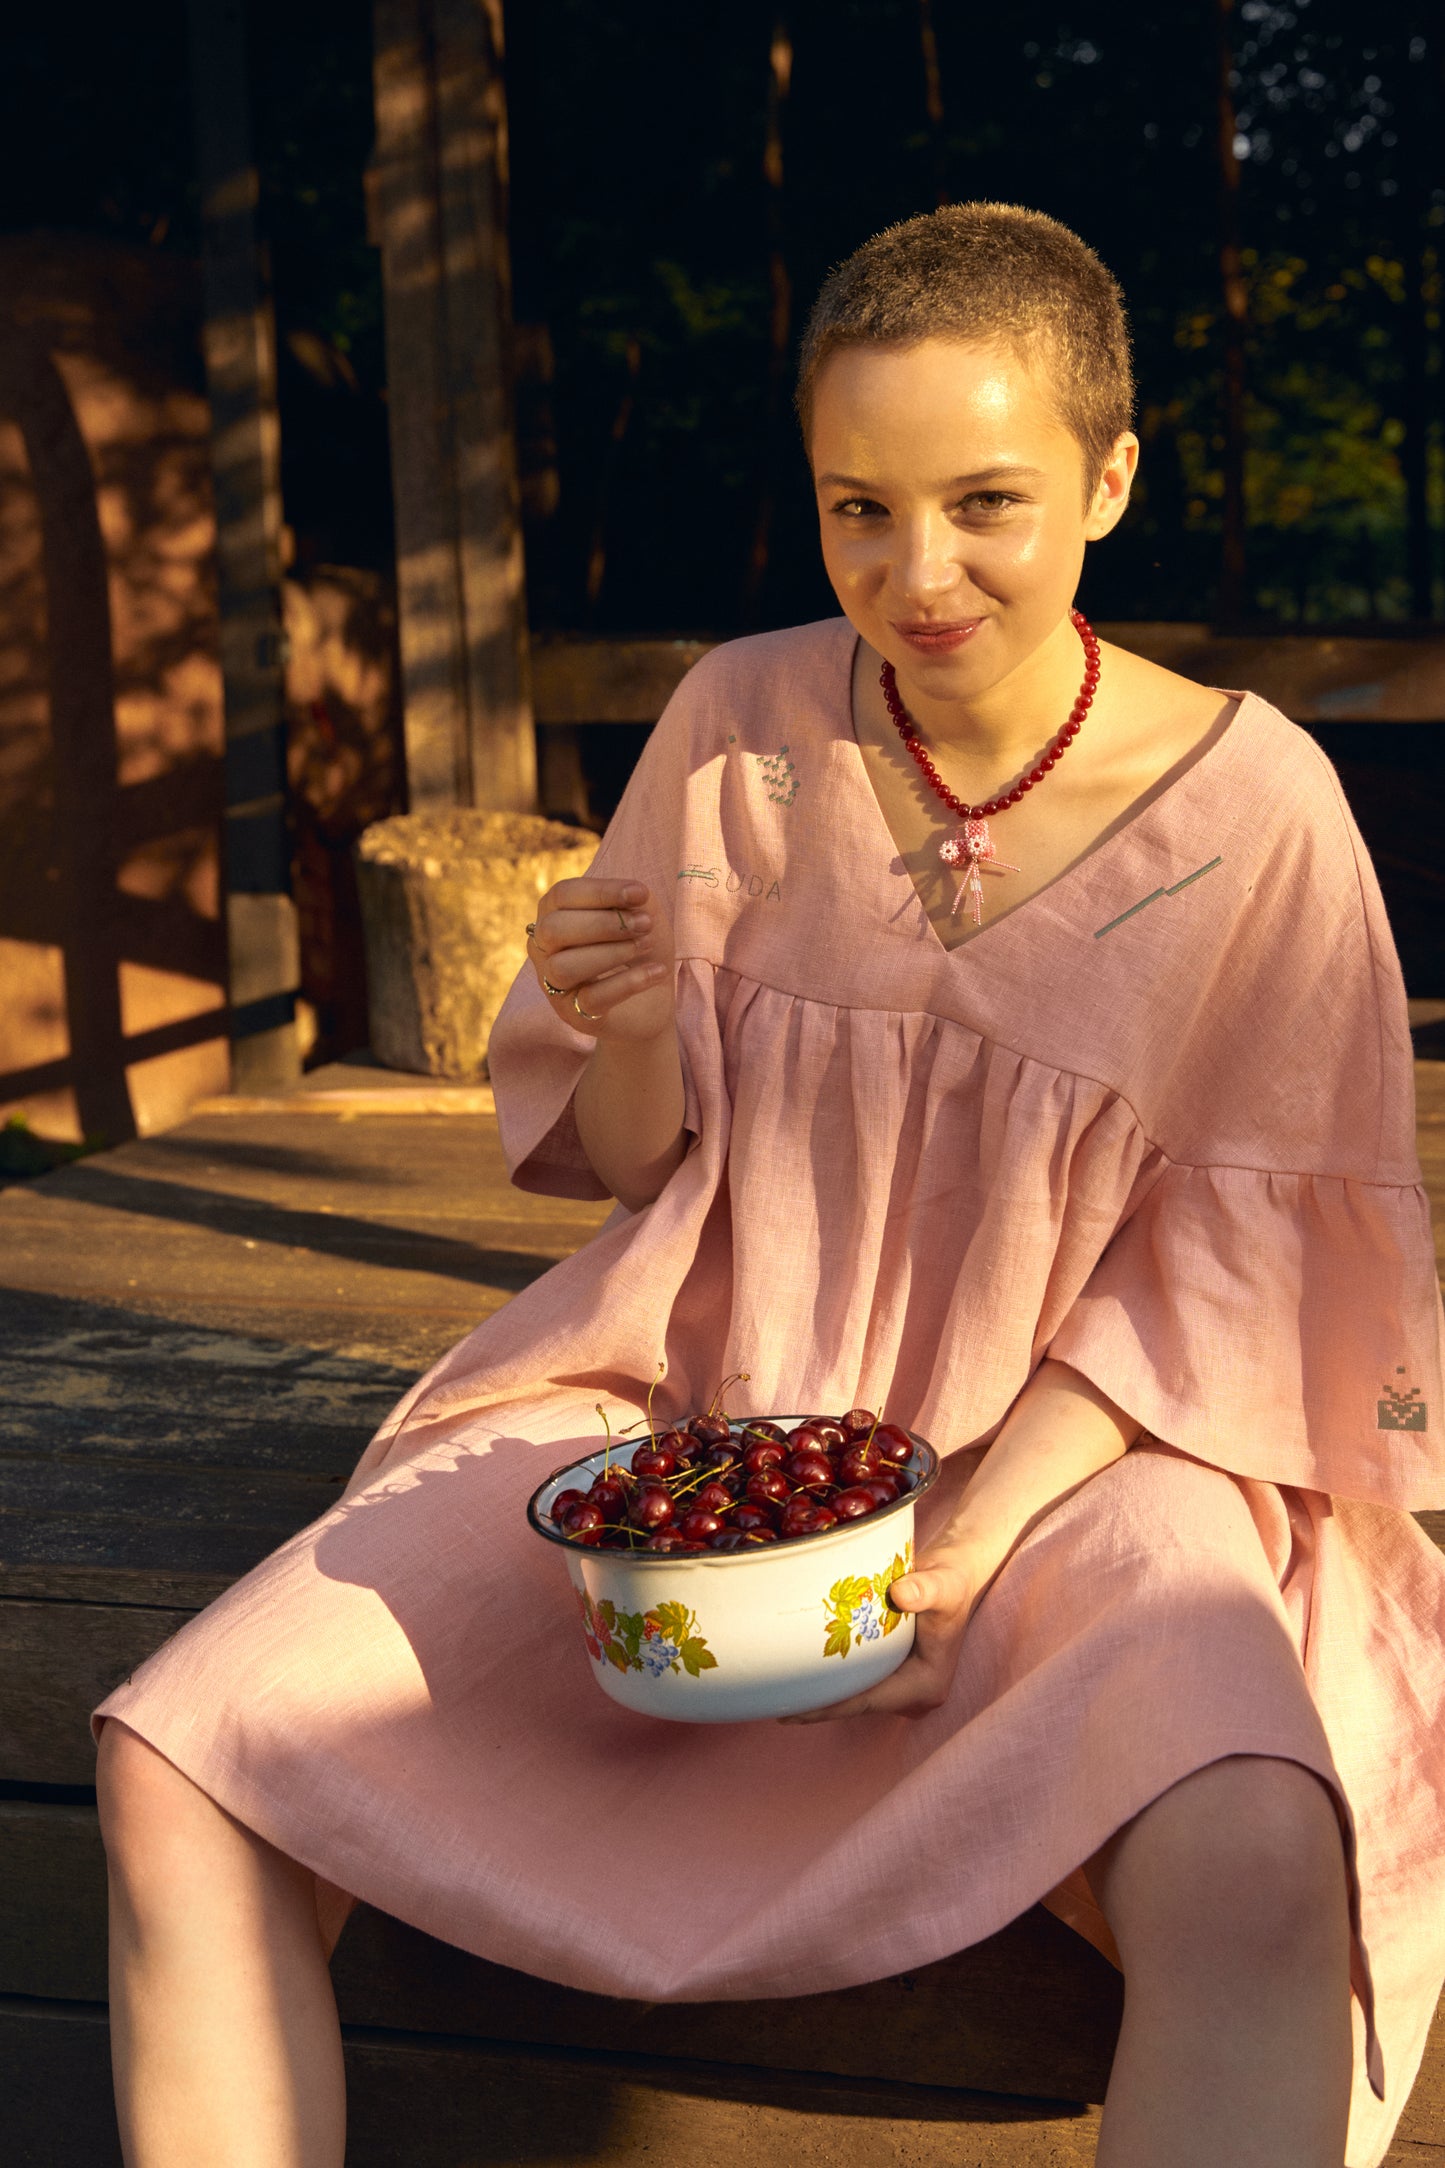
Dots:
{"x": 224, "y": 2037}
{"x": 1228, "y": 1900}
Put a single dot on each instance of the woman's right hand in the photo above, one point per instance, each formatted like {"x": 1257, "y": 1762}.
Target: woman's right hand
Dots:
{"x": 607, "y": 949}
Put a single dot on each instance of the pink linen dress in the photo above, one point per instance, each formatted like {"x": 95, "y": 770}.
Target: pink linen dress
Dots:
{"x": 1156, "y": 1122}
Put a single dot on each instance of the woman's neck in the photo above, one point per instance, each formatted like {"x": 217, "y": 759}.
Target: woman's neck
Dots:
{"x": 1002, "y": 729}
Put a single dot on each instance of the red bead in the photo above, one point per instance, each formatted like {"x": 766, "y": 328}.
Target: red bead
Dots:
{"x": 1013, "y": 797}
{"x": 1036, "y": 775}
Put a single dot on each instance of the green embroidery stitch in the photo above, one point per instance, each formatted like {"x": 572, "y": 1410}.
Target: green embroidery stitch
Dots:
{"x": 1145, "y": 901}
{"x": 1401, "y": 1410}
{"x": 777, "y": 770}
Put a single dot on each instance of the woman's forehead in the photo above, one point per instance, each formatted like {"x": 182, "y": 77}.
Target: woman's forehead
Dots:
{"x": 964, "y": 409}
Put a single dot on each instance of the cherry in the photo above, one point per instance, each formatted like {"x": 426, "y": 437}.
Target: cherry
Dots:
{"x": 893, "y": 1444}
{"x": 806, "y": 1469}
{"x": 767, "y": 1453}
{"x": 714, "y": 1496}
{"x": 584, "y": 1519}
{"x": 654, "y": 1460}
{"x": 670, "y": 1539}
{"x": 769, "y": 1484}
{"x": 857, "y": 1461}
{"x": 804, "y": 1435}
{"x": 610, "y": 1493}
{"x": 699, "y": 1526}
{"x": 751, "y": 1515}
{"x": 722, "y": 1457}
{"x": 831, "y": 1433}
{"x": 857, "y": 1422}
{"x": 651, "y": 1509}
{"x": 563, "y": 1503}
{"x": 851, "y": 1505}
{"x": 752, "y": 1432}
{"x": 882, "y": 1487}
{"x": 712, "y": 1429}
{"x": 806, "y": 1519}
{"x": 741, "y": 1539}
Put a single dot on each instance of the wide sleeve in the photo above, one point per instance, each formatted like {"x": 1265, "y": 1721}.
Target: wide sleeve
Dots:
{"x": 1270, "y": 1302}
{"x": 533, "y": 1058}
{"x": 1281, "y": 1326}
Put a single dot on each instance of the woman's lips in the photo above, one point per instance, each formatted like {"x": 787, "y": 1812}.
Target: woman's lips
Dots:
{"x": 939, "y": 639}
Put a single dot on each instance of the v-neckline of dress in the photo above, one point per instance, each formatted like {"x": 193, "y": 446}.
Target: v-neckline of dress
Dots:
{"x": 1076, "y": 866}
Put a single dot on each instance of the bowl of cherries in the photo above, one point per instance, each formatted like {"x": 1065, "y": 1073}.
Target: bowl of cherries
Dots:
{"x": 726, "y": 1570}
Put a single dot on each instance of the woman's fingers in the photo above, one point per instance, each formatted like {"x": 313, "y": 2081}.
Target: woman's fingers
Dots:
{"x": 599, "y": 997}
{"x": 586, "y": 894}
{"x": 559, "y": 930}
{"x": 570, "y": 968}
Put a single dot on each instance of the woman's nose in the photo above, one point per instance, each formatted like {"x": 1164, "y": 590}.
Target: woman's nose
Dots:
{"x": 928, "y": 560}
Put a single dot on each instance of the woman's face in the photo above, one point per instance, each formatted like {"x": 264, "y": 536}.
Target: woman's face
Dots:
{"x": 951, "y": 496}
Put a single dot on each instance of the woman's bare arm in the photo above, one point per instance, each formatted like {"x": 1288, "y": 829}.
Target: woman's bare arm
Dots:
{"x": 603, "y": 955}
{"x": 629, "y": 1108}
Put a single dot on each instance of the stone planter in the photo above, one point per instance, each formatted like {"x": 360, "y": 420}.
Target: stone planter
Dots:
{"x": 445, "y": 900}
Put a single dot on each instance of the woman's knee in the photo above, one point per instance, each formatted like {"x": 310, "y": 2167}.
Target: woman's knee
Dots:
{"x": 149, "y": 1810}
{"x": 1242, "y": 1859}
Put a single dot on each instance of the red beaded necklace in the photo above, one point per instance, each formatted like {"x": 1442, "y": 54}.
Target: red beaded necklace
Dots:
{"x": 972, "y": 845}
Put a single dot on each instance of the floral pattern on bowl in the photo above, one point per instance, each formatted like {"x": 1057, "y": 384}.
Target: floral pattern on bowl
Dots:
{"x": 653, "y": 1642}
{"x": 856, "y": 1609}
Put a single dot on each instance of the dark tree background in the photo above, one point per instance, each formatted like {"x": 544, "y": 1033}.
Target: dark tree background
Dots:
{"x": 683, "y": 178}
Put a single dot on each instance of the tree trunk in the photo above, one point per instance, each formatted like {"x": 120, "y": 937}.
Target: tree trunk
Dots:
{"x": 240, "y": 354}
{"x": 440, "y": 182}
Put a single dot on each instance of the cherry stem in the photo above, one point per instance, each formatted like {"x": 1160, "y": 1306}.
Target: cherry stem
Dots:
{"x": 607, "y": 1456}
{"x": 652, "y": 1388}
{"x": 738, "y": 1377}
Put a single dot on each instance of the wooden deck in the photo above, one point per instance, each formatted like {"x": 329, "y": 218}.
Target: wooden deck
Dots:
{"x": 198, "y": 1333}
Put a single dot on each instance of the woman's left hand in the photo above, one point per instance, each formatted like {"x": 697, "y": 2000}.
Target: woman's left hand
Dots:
{"x": 942, "y": 1591}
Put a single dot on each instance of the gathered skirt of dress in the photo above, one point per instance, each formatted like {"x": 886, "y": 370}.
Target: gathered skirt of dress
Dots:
{"x": 399, "y": 1698}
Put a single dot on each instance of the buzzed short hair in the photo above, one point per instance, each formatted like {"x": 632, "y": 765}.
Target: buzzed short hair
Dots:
{"x": 987, "y": 272}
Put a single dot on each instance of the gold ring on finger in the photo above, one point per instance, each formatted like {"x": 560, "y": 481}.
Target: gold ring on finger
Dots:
{"x": 586, "y": 1012}
{"x": 531, "y": 928}
{"x": 549, "y": 988}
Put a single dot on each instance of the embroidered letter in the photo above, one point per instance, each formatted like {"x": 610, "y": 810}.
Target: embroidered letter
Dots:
{"x": 734, "y": 882}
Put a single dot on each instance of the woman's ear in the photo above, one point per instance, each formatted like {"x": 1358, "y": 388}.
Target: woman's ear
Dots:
{"x": 1111, "y": 493}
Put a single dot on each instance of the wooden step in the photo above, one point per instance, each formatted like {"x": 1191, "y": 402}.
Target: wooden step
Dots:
{"x": 1032, "y": 2011}
{"x": 429, "y": 2101}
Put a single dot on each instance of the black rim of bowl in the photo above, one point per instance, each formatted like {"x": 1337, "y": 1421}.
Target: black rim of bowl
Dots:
{"x": 925, "y": 1476}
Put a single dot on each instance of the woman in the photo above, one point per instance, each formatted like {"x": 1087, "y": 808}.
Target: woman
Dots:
{"x": 1049, "y": 1084}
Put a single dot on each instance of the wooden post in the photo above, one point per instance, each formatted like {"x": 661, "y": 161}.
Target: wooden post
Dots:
{"x": 240, "y": 353}
{"x": 440, "y": 198}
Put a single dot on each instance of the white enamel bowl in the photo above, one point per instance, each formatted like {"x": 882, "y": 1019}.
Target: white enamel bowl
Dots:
{"x": 720, "y": 1637}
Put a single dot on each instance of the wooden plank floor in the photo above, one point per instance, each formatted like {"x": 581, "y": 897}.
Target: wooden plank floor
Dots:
{"x": 197, "y": 1335}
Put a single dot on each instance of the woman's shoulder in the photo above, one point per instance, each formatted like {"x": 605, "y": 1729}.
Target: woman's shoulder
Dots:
{"x": 767, "y": 664}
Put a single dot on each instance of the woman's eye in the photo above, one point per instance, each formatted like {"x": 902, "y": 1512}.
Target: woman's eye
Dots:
{"x": 856, "y": 507}
{"x": 988, "y": 501}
